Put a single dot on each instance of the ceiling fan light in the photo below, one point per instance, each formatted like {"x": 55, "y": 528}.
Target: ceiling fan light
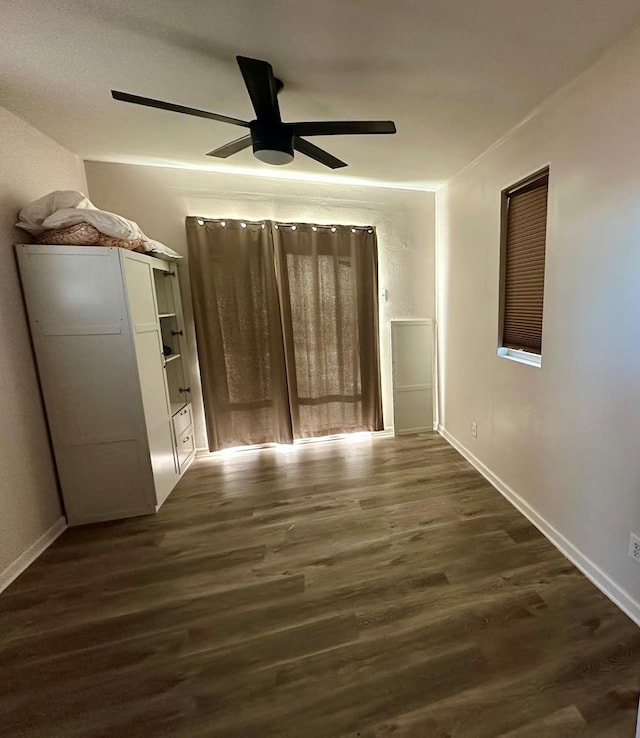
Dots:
{"x": 273, "y": 156}
{"x": 272, "y": 142}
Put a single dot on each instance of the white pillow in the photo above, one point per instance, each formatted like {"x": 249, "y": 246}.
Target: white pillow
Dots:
{"x": 35, "y": 213}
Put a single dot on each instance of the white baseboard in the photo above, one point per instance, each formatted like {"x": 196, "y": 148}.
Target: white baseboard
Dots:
{"x": 590, "y": 569}
{"x": 27, "y": 557}
{"x": 411, "y": 431}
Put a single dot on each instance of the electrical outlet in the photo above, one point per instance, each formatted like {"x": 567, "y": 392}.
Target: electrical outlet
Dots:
{"x": 474, "y": 429}
{"x": 634, "y": 547}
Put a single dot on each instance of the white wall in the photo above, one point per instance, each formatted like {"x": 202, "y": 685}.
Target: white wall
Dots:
{"x": 566, "y": 436}
{"x": 30, "y": 166}
{"x": 159, "y": 199}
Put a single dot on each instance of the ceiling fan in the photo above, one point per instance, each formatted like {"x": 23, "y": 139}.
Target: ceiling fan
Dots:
{"x": 273, "y": 141}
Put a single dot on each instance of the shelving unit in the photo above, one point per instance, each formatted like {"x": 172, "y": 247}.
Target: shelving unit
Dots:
{"x": 107, "y": 330}
{"x": 172, "y": 335}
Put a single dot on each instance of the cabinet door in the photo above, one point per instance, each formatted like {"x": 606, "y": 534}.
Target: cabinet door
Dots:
{"x": 83, "y": 345}
{"x": 155, "y": 399}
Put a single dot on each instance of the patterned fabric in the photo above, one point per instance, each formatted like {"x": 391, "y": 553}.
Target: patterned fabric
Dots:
{"x": 84, "y": 234}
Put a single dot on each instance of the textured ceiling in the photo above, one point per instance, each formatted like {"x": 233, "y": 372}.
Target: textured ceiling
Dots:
{"x": 454, "y": 75}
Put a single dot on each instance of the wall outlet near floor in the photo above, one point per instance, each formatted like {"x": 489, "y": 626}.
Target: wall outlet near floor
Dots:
{"x": 634, "y": 547}
{"x": 474, "y": 429}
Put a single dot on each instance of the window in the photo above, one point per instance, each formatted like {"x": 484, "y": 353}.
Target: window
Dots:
{"x": 524, "y": 228}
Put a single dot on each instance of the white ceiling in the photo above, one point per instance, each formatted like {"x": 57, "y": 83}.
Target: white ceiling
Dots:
{"x": 453, "y": 74}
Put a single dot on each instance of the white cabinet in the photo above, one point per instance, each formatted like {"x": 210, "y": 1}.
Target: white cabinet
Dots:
{"x": 107, "y": 329}
{"x": 412, "y": 375}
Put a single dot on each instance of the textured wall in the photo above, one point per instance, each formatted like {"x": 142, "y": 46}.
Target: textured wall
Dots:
{"x": 160, "y": 198}
{"x": 30, "y": 166}
{"x": 564, "y": 436}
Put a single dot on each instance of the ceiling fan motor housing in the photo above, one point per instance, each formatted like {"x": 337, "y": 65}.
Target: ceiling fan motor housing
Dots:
{"x": 272, "y": 142}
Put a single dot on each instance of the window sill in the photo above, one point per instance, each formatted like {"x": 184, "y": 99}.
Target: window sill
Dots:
{"x": 521, "y": 357}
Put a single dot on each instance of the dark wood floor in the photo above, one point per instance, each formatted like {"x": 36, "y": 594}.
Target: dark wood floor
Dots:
{"x": 366, "y": 588}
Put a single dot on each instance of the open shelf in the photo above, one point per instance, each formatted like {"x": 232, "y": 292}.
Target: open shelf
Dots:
{"x": 171, "y": 334}
{"x": 165, "y": 297}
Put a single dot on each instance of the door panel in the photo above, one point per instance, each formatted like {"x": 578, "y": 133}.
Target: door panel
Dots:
{"x": 412, "y": 375}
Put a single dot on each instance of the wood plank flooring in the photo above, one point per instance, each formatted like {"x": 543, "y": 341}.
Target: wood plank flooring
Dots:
{"x": 374, "y": 587}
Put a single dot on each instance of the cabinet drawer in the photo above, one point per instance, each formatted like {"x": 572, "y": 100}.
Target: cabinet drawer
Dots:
{"x": 182, "y": 420}
{"x": 186, "y": 446}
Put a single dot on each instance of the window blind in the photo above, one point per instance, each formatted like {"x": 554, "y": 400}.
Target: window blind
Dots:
{"x": 524, "y": 254}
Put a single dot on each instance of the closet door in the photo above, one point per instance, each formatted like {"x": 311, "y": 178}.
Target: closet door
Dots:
{"x": 148, "y": 346}
{"x": 412, "y": 375}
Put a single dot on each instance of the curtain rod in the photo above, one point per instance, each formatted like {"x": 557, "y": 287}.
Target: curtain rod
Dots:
{"x": 334, "y": 227}
{"x": 277, "y": 224}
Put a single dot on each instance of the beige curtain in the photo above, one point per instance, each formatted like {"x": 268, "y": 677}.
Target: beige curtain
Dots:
{"x": 238, "y": 329}
{"x": 287, "y": 329}
{"x": 329, "y": 291}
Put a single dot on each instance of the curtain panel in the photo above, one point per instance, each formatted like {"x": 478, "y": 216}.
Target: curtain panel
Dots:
{"x": 328, "y": 279}
{"x": 239, "y": 333}
{"x": 287, "y": 327}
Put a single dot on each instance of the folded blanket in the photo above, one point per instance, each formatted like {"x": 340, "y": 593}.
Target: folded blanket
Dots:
{"x": 83, "y": 234}
{"x": 63, "y": 209}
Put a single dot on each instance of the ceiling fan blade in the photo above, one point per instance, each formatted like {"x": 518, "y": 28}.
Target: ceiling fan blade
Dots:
{"x": 151, "y": 103}
{"x": 315, "y": 152}
{"x": 341, "y": 128}
{"x": 232, "y": 147}
{"x": 261, "y": 86}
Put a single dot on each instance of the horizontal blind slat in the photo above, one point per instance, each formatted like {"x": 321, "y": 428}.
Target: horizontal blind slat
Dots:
{"x": 525, "y": 200}
{"x": 531, "y": 209}
{"x": 528, "y": 231}
{"x": 526, "y": 249}
{"x": 533, "y": 277}
{"x": 528, "y": 228}
{"x": 526, "y": 270}
{"x": 530, "y": 269}
{"x": 527, "y": 234}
